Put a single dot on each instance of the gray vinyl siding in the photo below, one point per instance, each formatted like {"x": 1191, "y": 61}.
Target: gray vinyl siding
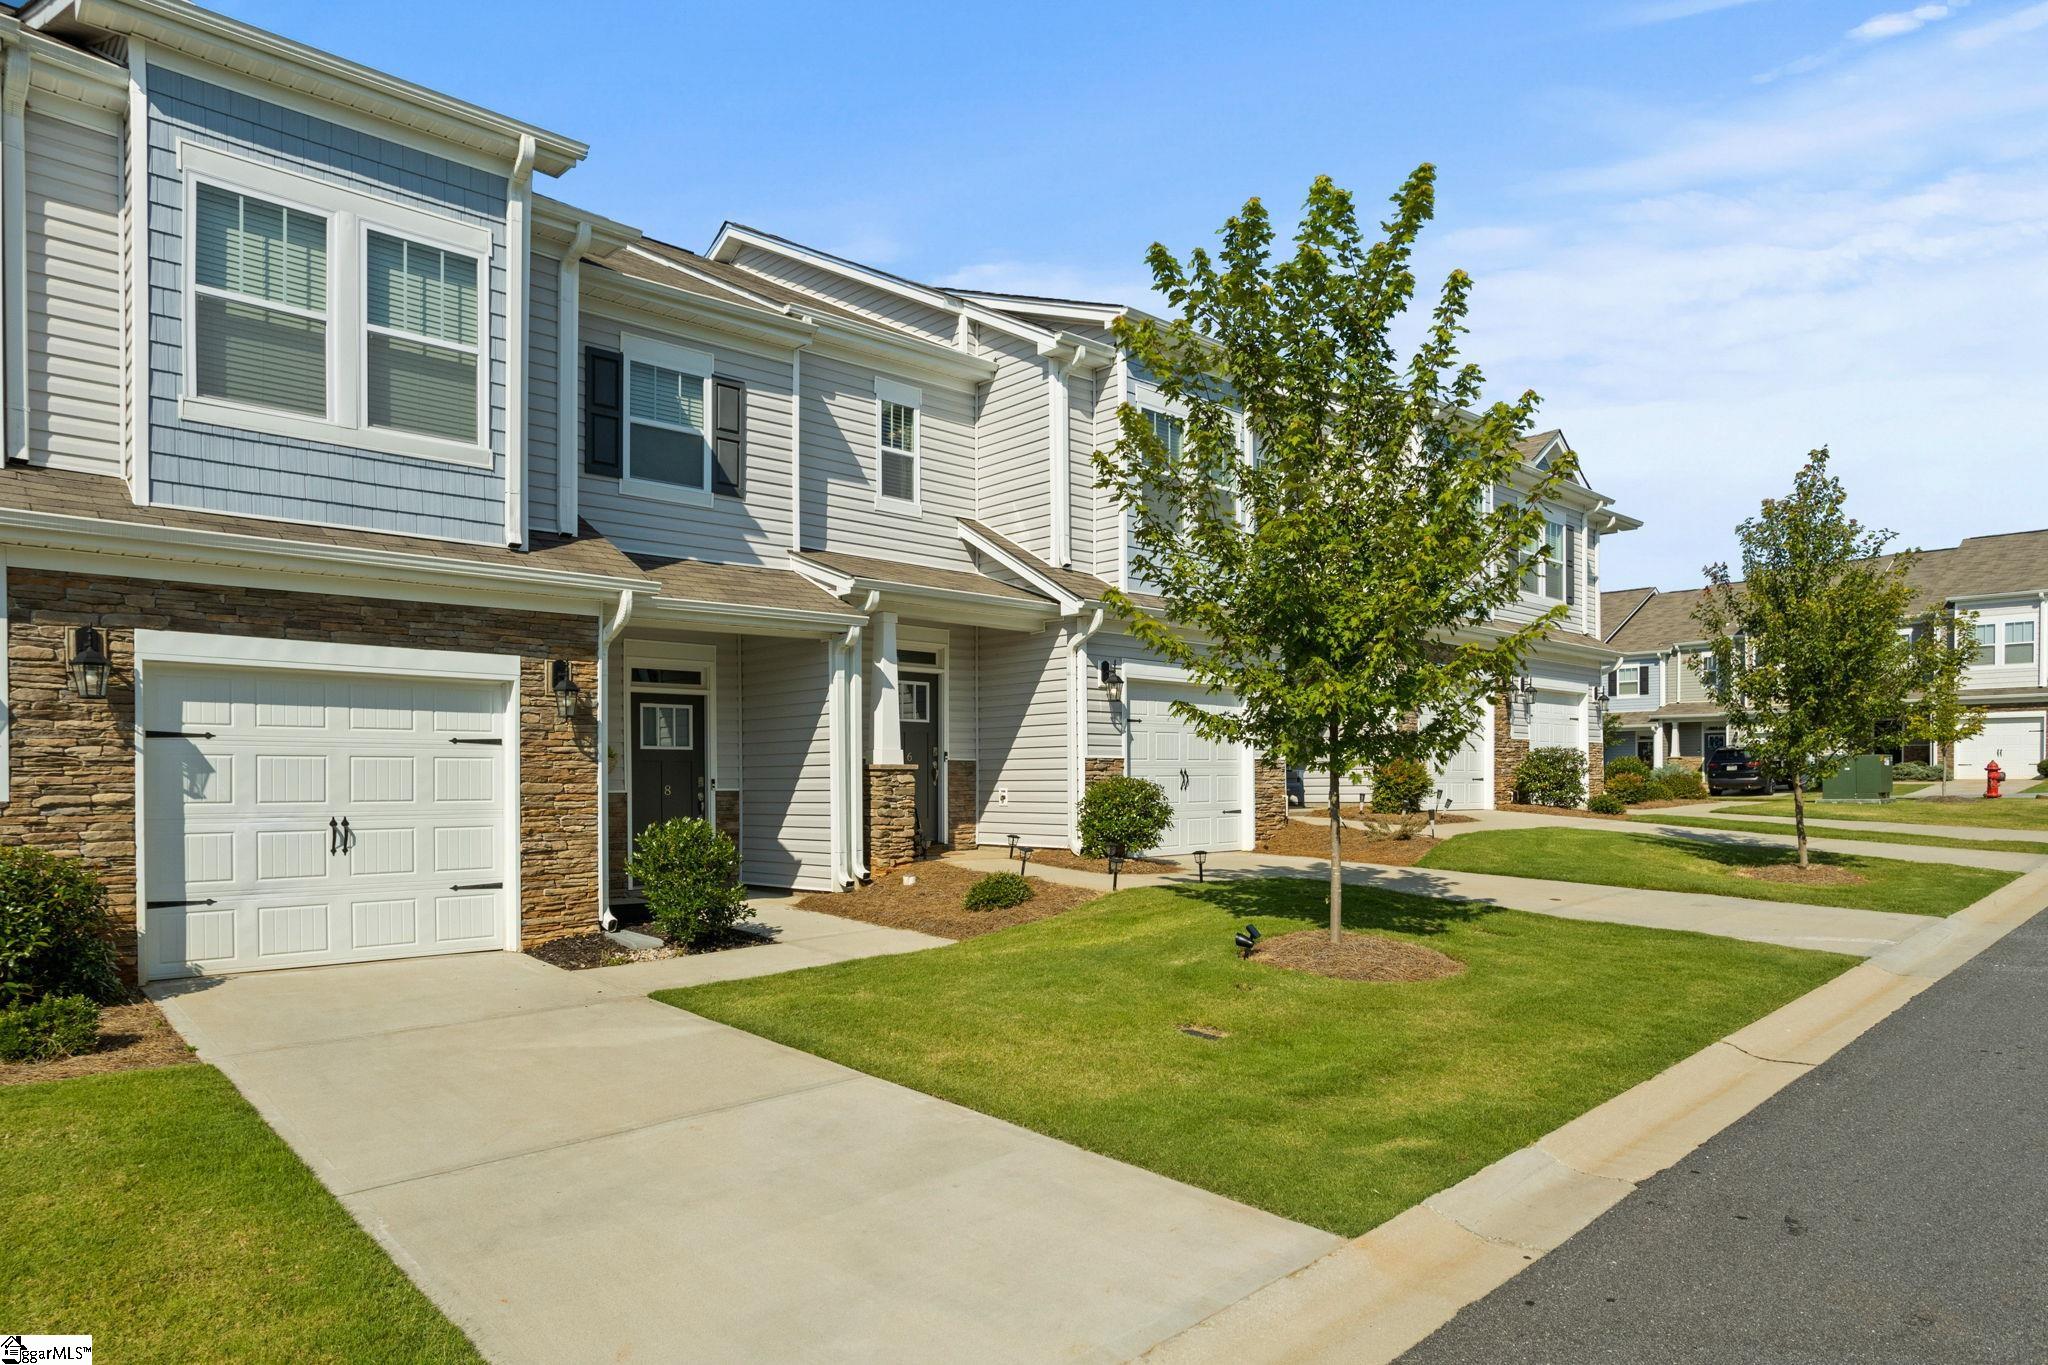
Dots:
{"x": 841, "y": 449}
{"x": 959, "y": 708}
{"x": 749, "y": 530}
{"x": 231, "y": 470}
{"x": 543, "y": 337}
{"x": 786, "y": 811}
{"x": 1688, "y": 685}
{"x": 1011, "y": 445}
{"x": 929, "y": 323}
{"x": 1650, "y": 698}
{"x": 73, "y": 266}
{"x": 1023, "y": 737}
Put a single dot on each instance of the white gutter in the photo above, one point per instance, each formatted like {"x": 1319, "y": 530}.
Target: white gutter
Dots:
{"x": 607, "y": 631}
{"x": 1077, "y": 726}
{"x": 569, "y": 379}
{"x": 13, "y": 248}
{"x": 851, "y": 769}
{"x": 136, "y": 280}
{"x": 518, "y": 270}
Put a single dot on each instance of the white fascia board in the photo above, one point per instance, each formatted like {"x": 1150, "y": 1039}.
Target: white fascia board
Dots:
{"x": 731, "y": 237}
{"x": 902, "y": 353}
{"x": 1068, "y": 603}
{"x": 1103, "y": 314}
{"x": 838, "y": 584}
{"x": 1546, "y": 646}
{"x": 61, "y": 531}
{"x": 235, "y": 46}
{"x": 735, "y": 619}
{"x": 646, "y": 296}
{"x": 684, "y": 268}
{"x": 64, "y": 71}
{"x": 557, "y": 222}
{"x": 248, "y": 651}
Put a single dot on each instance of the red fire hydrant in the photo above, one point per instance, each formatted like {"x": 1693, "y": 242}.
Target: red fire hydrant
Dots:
{"x": 1993, "y": 775}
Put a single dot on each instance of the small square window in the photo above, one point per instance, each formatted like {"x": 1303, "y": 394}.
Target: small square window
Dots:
{"x": 915, "y": 701}
{"x": 668, "y": 725}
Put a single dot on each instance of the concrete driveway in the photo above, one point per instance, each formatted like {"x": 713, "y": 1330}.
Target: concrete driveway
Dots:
{"x": 574, "y": 1172}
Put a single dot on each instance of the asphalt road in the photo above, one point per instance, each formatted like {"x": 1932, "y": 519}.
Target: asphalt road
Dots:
{"x": 1890, "y": 1205}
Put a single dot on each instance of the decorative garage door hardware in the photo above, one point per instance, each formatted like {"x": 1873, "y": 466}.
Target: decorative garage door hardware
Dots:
{"x": 476, "y": 741}
{"x": 479, "y": 886}
{"x": 340, "y": 838}
{"x": 177, "y": 734}
{"x": 172, "y": 905}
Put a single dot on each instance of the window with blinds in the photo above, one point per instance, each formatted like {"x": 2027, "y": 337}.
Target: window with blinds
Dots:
{"x": 259, "y": 286}
{"x": 665, "y": 441}
{"x": 422, "y": 353}
{"x": 899, "y": 451}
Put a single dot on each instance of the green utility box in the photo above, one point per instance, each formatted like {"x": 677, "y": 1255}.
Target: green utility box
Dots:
{"x": 1866, "y": 777}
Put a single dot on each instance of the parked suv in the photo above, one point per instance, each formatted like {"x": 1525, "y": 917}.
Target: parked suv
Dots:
{"x": 1735, "y": 770}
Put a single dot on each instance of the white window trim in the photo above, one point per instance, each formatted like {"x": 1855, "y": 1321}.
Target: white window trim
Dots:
{"x": 889, "y": 391}
{"x": 689, "y": 745}
{"x": 350, "y": 217}
{"x": 2006, "y": 642}
{"x": 914, "y": 687}
{"x": 684, "y": 360}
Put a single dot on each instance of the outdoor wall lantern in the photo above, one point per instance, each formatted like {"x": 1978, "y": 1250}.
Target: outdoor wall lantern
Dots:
{"x": 563, "y": 685}
{"x": 1112, "y": 680}
{"x": 89, "y": 667}
{"x": 1599, "y": 702}
{"x": 1201, "y": 864}
{"x": 1525, "y": 687}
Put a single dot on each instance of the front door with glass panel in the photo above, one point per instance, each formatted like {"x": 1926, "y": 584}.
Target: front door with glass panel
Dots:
{"x": 918, "y": 700}
{"x": 668, "y": 760}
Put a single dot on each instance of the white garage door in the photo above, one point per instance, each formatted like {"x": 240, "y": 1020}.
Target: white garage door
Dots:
{"x": 2013, "y": 741}
{"x": 1204, "y": 780}
{"x": 1467, "y": 779}
{"x": 1554, "y": 721}
{"x": 292, "y": 819}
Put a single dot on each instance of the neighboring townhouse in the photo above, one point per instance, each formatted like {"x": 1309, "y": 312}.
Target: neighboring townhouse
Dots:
{"x": 1664, "y": 712}
{"x": 385, "y": 542}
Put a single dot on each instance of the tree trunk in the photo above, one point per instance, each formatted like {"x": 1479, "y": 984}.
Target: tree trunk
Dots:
{"x": 1336, "y": 853}
{"x": 1799, "y": 814}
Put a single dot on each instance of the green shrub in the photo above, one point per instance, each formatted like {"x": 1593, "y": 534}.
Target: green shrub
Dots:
{"x": 54, "y": 1026}
{"x": 1399, "y": 786}
{"x": 998, "y": 891}
{"x": 2042, "y": 767}
{"x": 1607, "y": 803}
{"x": 1627, "y": 763}
{"x": 1627, "y": 788}
{"x": 1131, "y": 812}
{"x": 56, "y": 937}
{"x": 1679, "y": 783}
{"x": 1551, "y": 777}
{"x": 690, "y": 874}
{"x": 1920, "y": 772}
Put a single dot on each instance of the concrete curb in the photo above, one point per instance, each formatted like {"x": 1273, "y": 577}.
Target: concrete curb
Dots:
{"x": 1375, "y": 1297}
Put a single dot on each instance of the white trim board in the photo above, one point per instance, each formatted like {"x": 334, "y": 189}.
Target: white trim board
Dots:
{"x": 244, "y": 651}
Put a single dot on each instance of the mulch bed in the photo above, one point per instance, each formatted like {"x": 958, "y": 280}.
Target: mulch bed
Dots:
{"x": 1067, "y": 858}
{"x": 1357, "y": 957}
{"x": 1368, "y": 813}
{"x": 933, "y": 905}
{"x": 579, "y": 952}
{"x": 133, "y": 1037}
{"x": 1311, "y": 839}
{"x": 1817, "y": 875}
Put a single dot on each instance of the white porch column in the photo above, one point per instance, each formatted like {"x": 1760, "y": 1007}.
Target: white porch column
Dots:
{"x": 1657, "y": 751}
{"x": 888, "y": 715}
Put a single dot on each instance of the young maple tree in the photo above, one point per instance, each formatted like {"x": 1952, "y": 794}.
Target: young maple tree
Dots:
{"x": 1810, "y": 654}
{"x": 1331, "y": 528}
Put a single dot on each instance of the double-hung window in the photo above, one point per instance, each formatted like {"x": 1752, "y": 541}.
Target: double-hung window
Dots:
{"x": 2019, "y": 642}
{"x": 1985, "y": 636}
{"x": 668, "y": 397}
{"x": 1546, "y": 574}
{"x": 318, "y": 313}
{"x": 420, "y": 371}
{"x": 899, "y": 437}
{"x": 259, "y": 302}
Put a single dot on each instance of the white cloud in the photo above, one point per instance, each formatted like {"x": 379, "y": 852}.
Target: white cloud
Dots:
{"x": 1665, "y": 11}
{"x": 1852, "y": 261}
{"x": 1898, "y": 23}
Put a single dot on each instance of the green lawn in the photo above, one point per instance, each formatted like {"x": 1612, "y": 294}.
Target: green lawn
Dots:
{"x": 1908, "y": 788}
{"x": 1657, "y": 863}
{"x": 157, "y": 1211}
{"x": 1336, "y": 1103}
{"x": 1872, "y": 836}
{"x": 2024, "y": 814}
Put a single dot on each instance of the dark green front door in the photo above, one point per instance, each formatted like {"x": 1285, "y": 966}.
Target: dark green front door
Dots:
{"x": 921, "y": 747}
{"x": 668, "y": 759}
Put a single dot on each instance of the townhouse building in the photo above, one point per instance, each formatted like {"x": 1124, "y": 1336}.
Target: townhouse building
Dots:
{"x": 1664, "y": 712}
{"x": 385, "y": 541}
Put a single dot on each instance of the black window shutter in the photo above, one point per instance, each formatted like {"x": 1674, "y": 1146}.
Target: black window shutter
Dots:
{"x": 1613, "y": 684}
{"x": 602, "y": 394}
{"x": 1643, "y": 679}
{"x": 1571, "y": 565}
{"x": 729, "y": 437}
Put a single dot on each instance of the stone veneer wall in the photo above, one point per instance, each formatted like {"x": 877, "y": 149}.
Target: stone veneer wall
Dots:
{"x": 892, "y": 815}
{"x": 1508, "y": 753}
{"x": 1093, "y": 770}
{"x": 961, "y": 778}
{"x": 1269, "y": 799}
{"x": 73, "y": 761}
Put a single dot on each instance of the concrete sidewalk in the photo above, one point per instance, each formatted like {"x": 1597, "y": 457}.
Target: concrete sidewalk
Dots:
{"x": 1857, "y": 932}
{"x": 1716, "y": 809}
{"x": 572, "y": 1171}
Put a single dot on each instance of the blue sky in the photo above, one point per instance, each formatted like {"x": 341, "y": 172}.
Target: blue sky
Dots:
{"x": 1711, "y": 233}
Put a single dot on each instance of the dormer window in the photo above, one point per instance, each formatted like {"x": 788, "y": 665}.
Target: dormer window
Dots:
{"x": 899, "y": 410}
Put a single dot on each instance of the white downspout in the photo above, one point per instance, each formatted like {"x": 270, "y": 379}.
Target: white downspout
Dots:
{"x": 1059, "y": 440}
{"x": 14, "y": 226}
{"x": 518, "y": 271}
{"x": 135, "y": 282}
{"x": 569, "y": 379}
{"x": 1077, "y": 726}
{"x": 607, "y": 631}
{"x": 796, "y": 445}
{"x": 851, "y": 766}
